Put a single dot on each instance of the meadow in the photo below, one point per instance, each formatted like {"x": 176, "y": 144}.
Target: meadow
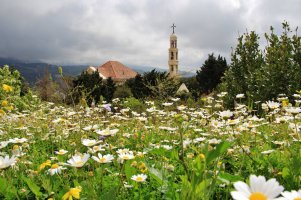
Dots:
{"x": 163, "y": 150}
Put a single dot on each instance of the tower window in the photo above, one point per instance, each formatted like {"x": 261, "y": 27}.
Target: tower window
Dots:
{"x": 176, "y": 55}
{"x": 171, "y": 56}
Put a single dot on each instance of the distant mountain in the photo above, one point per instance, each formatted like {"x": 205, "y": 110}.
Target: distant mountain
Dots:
{"x": 32, "y": 71}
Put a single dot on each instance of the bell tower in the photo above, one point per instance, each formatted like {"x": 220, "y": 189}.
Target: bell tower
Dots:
{"x": 173, "y": 54}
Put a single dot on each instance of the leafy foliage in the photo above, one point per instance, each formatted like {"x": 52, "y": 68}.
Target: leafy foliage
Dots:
{"x": 47, "y": 88}
{"x": 93, "y": 87}
{"x": 210, "y": 74}
{"x": 153, "y": 84}
{"x": 262, "y": 75}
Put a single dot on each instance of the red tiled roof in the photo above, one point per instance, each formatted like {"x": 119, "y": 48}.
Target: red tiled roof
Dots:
{"x": 116, "y": 70}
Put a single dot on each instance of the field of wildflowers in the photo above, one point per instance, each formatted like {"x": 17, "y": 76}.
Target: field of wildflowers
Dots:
{"x": 168, "y": 151}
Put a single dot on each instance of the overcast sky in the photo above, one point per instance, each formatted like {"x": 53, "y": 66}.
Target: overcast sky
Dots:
{"x": 134, "y": 32}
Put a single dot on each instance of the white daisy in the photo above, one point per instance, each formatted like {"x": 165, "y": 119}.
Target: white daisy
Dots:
{"x": 78, "y": 160}
{"x": 167, "y": 104}
{"x": 89, "y": 143}
{"x": 61, "y": 152}
{"x": 259, "y": 189}
{"x": 139, "y": 177}
{"x": 107, "y": 132}
{"x": 125, "y": 156}
{"x": 226, "y": 114}
{"x": 293, "y": 195}
{"x": 240, "y": 96}
{"x": 293, "y": 110}
{"x": 18, "y": 140}
{"x": 6, "y": 161}
{"x": 55, "y": 169}
{"x": 103, "y": 158}
{"x": 272, "y": 105}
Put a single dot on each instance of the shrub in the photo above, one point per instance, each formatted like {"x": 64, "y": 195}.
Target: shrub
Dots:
{"x": 123, "y": 91}
{"x": 134, "y": 104}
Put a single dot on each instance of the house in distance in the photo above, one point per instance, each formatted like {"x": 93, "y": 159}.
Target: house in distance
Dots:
{"x": 114, "y": 69}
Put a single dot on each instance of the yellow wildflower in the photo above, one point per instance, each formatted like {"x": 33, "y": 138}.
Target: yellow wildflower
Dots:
{"x": 10, "y": 107}
{"x": 44, "y": 164}
{"x": 7, "y": 88}
{"x": 4, "y": 103}
{"x": 142, "y": 167}
{"x": 202, "y": 156}
{"x": 285, "y": 103}
{"x": 2, "y": 112}
{"x": 72, "y": 193}
{"x": 90, "y": 173}
{"x": 134, "y": 164}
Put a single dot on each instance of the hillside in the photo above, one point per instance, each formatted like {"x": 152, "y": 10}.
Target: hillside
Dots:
{"x": 32, "y": 71}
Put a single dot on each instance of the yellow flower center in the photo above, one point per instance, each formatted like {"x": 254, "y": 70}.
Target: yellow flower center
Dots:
{"x": 90, "y": 143}
{"x": 102, "y": 160}
{"x": 15, "y": 147}
{"x": 54, "y": 166}
{"x": 139, "y": 178}
{"x": 96, "y": 148}
{"x": 79, "y": 162}
{"x": 257, "y": 196}
{"x": 126, "y": 157}
{"x": 298, "y": 198}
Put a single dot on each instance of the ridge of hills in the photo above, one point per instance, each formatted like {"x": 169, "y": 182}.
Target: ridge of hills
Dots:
{"x": 32, "y": 71}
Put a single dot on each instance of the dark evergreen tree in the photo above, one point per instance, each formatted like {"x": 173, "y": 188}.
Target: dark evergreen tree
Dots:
{"x": 138, "y": 88}
{"x": 153, "y": 84}
{"x": 210, "y": 74}
{"x": 89, "y": 86}
{"x": 109, "y": 88}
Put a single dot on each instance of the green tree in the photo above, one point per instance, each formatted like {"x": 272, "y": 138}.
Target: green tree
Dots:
{"x": 263, "y": 76}
{"x": 109, "y": 88}
{"x": 210, "y": 74}
{"x": 281, "y": 74}
{"x": 153, "y": 84}
{"x": 138, "y": 89}
{"x": 246, "y": 62}
{"x": 47, "y": 88}
{"x": 89, "y": 86}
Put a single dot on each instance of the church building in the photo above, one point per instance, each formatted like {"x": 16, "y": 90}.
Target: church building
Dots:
{"x": 114, "y": 69}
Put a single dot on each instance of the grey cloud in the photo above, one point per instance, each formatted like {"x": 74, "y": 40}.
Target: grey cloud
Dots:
{"x": 134, "y": 32}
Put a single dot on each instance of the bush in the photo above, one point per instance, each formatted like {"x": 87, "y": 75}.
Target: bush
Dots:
{"x": 10, "y": 92}
{"x": 123, "y": 91}
{"x": 153, "y": 84}
{"x": 134, "y": 104}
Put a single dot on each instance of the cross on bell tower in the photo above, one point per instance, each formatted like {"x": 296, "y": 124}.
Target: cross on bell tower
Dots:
{"x": 173, "y": 54}
{"x": 173, "y": 28}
